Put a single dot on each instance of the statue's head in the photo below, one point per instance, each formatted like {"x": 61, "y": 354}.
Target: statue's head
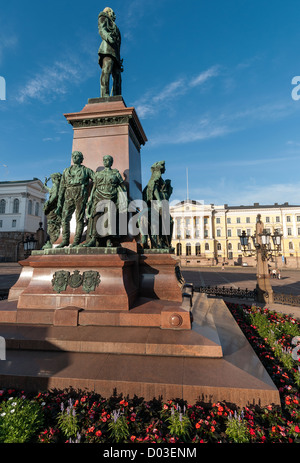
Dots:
{"x": 77, "y": 157}
{"x": 56, "y": 178}
{"x": 110, "y": 12}
{"x": 159, "y": 166}
{"x": 108, "y": 161}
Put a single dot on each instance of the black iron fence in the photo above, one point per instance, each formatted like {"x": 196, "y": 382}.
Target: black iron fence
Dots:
{"x": 224, "y": 291}
{"x": 286, "y": 299}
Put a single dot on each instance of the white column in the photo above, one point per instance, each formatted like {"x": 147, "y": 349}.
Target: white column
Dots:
{"x": 192, "y": 228}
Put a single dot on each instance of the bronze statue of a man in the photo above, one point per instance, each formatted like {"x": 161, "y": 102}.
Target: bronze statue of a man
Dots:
{"x": 53, "y": 220}
{"x": 73, "y": 196}
{"x": 159, "y": 221}
{"x": 109, "y": 53}
{"x": 110, "y": 192}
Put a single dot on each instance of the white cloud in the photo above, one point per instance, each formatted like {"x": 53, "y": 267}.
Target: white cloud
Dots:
{"x": 204, "y": 76}
{"x": 231, "y": 193}
{"x": 7, "y": 42}
{"x": 49, "y": 82}
{"x": 201, "y": 130}
{"x": 148, "y": 105}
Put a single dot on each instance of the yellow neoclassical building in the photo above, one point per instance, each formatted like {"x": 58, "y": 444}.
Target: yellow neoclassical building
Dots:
{"x": 207, "y": 234}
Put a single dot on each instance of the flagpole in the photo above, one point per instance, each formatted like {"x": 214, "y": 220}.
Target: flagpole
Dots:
{"x": 187, "y": 185}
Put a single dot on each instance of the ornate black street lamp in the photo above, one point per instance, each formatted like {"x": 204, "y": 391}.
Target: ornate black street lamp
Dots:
{"x": 264, "y": 243}
{"x": 29, "y": 245}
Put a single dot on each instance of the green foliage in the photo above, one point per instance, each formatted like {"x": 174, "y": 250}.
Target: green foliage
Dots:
{"x": 237, "y": 430}
{"x": 118, "y": 427}
{"x": 20, "y": 420}
{"x": 67, "y": 420}
{"x": 179, "y": 424}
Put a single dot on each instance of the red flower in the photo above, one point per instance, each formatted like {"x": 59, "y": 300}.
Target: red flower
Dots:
{"x": 123, "y": 402}
{"x": 297, "y": 429}
{"x": 98, "y": 433}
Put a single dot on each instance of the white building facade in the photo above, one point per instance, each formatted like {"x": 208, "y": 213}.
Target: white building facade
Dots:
{"x": 21, "y": 214}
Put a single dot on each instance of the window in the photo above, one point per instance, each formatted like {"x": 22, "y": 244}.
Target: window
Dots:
{"x": 247, "y": 219}
{"x": 14, "y": 223}
{"x": 228, "y": 220}
{"x": 219, "y": 247}
{"x": 206, "y": 246}
{"x": 289, "y": 231}
{"x": 178, "y": 249}
{"x": 238, "y": 232}
{"x": 268, "y": 219}
{"x": 298, "y": 218}
{"x": 205, "y": 220}
{"x": 248, "y": 231}
{"x": 291, "y": 246}
{"x": 238, "y": 220}
{"x": 188, "y": 249}
{"x": 198, "y": 249}
{"x": 218, "y": 220}
{"x": 298, "y": 231}
{"x": 239, "y": 247}
{"x": 2, "y": 206}
{"x": 16, "y": 206}
{"x": 277, "y": 219}
{"x": 205, "y": 233}
{"x": 218, "y": 232}
{"x": 37, "y": 208}
{"x": 288, "y": 218}
{"x": 1, "y": 223}
{"x": 229, "y": 232}
{"x": 229, "y": 246}
{"x": 30, "y": 207}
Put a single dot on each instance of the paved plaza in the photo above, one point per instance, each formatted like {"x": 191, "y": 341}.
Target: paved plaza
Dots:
{"x": 241, "y": 277}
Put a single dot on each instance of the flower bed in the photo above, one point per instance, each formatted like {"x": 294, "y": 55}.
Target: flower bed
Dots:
{"x": 86, "y": 417}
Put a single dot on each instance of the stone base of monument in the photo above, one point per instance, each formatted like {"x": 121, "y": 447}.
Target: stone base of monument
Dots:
{"x": 98, "y": 286}
{"x": 210, "y": 362}
{"x": 114, "y": 318}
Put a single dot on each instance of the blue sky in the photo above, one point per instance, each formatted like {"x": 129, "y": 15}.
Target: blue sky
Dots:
{"x": 211, "y": 83}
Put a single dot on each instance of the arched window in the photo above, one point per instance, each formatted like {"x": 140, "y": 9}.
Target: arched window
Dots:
{"x": 219, "y": 247}
{"x": 229, "y": 246}
{"x": 178, "y": 249}
{"x": 291, "y": 246}
{"x": 16, "y": 206}
{"x": 188, "y": 249}
{"x": 206, "y": 246}
{"x": 198, "y": 249}
{"x": 37, "y": 208}
{"x": 2, "y": 206}
{"x": 30, "y": 207}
